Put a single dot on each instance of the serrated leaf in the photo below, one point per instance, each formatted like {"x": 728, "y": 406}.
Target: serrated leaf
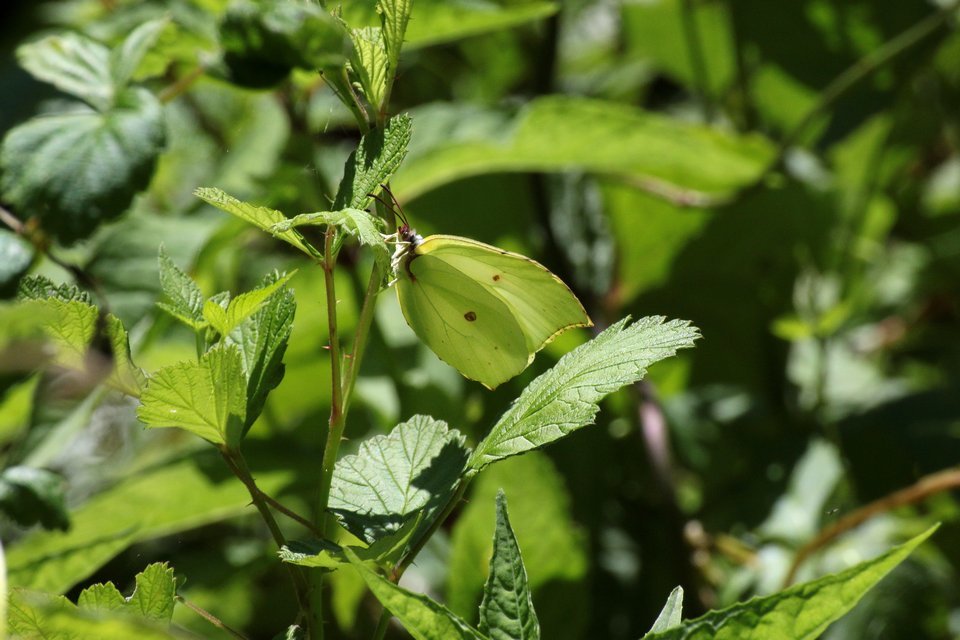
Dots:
{"x": 29, "y": 496}
{"x": 566, "y": 397}
{"x": 186, "y": 299}
{"x": 670, "y": 615}
{"x": 394, "y": 16}
{"x": 391, "y": 478}
{"x": 41, "y": 288}
{"x": 369, "y": 62}
{"x": 240, "y": 308}
{"x": 155, "y": 594}
{"x": 261, "y": 217}
{"x": 125, "y": 59}
{"x": 72, "y": 63}
{"x": 100, "y": 598}
{"x": 422, "y": 617}
{"x": 385, "y": 552}
{"x": 207, "y": 398}
{"x": 561, "y": 133}
{"x": 78, "y": 169}
{"x": 355, "y": 222}
{"x": 125, "y": 375}
{"x": 375, "y": 160}
{"x": 72, "y": 330}
{"x": 801, "y": 612}
{"x": 262, "y": 340}
{"x": 506, "y": 612}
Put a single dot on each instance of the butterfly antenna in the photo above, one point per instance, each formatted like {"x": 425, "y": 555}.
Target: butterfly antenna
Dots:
{"x": 396, "y": 202}
{"x": 397, "y": 212}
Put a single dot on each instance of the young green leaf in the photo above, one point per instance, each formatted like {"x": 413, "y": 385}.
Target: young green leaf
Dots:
{"x": 207, "y": 398}
{"x": 242, "y": 307}
{"x": 355, "y": 222}
{"x": 29, "y": 496}
{"x": 670, "y": 614}
{"x": 566, "y": 397}
{"x": 125, "y": 59}
{"x": 385, "y": 552}
{"x": 125, "y": 376}
{"x": 414, "y": 468}
{"x": 76, "y": 169}
{"x": 261, "y": 217}
{"x": 506, "y": 612}
{"x": 262, "y": 340}
{"x": 558, "y": 133}
{"x": 72, "y": 63}
{"x": 369, "y": 63}
{"x": 41, "y": 288}
{"x": 373, "y": 163}
{"x": 155, "y": 594}
{"x": 394, "y": 16}
{"x": 101, "y": 598}
{"x": 801, "y": 612}
{"x": 72, "y": 330}
{"x": 422, "y": 617}
{"x": 186, "y": 300}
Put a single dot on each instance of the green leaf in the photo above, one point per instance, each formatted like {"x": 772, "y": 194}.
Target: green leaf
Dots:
{"x": 77, "y": 169}
{"x": 555, "y": 549}
{"x": 385, "y": 552}
{"x": 506, "y": 612}
{"x": 394, "y": 16}
{"x": 186, "y": 299}
{"x": 261, "y": 217}
{"x": 670, "y": 614}
{"x": 183, "y": 494}
{"x": 562, "y": 133}
{"x": 264, "y": 40}
{"x": 207, "y": 398}
{"x": 72, "y": 63}
{"x": 29, "y": 496}
{"x": 100, "y": 598}
{"x": 391, "y": 478}
{"x": 41, "y": 288}
{"x": 423, "y": 618}
{"x": 242, "y": 307}
{"x": 262, "y": 340}
{"x": 125, "y": 375}
{"x": 125, "y": 59}
{"x": 373, "y": 163}
{"x": 155, "y": 593}
{"x": 16, "y": 255}
{"x": 800, "y": 612}
{"x": 439, "y": 21}
{"x": 72, "y": 329}
{"x": 566, "y": 397}
{"x": 355, "y": 222}
{"x": 369, "y": 62}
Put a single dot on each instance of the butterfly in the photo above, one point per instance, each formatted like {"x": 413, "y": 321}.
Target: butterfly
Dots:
{"x": 482, "y": 310}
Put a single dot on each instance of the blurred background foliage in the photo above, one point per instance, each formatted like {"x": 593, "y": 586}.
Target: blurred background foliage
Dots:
{"x": 784, "y": 175}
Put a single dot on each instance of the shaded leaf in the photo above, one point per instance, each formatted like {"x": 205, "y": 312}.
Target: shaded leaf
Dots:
{"x": 561, "y": 133}
{"x": 422, "y": 617}
{"x": 566, "y": 397}
{"x": 385, "y": 552}
{"x": 207, "y": 398}
{"x": 72, "y": 63}
{"x": 391, "y": 478}
{"x": 29, "y": 496}
{"x": 125, "y": 376}
{"x": 670, "y": 615}
{"x": 125, "y": 59}
{"x": 16, "y": 254}
{"x": 355, "y": 222}
{"x": 394, "y": 17}
{"x": 506, "y": 612}
{"x": 261, "y": 217}
{"x": 800, "y": 612}
{"x": 77, "y": 169}
{"x": 186, "y": 300}
{"x": 377, "y": 157}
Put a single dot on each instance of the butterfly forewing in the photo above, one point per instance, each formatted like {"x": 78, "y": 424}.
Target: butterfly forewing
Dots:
{"x": 540, "y": 302}
{"x": 461, "y": 321}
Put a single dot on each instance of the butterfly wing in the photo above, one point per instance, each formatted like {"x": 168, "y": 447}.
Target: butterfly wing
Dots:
{"x": 463, "y": 323}
{"x": 539, "y": 301}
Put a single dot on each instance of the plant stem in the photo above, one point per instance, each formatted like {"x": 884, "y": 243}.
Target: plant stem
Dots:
{"x": 361, "y": 335}
{"x": 209, "y": 617}
{"x": 337, "y": 418}
{"x": 863, "y": 67}
{"x": 238, "y": 465}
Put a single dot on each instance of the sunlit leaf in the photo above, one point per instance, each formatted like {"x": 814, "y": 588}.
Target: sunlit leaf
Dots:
{"x": 370, "y": 64}
{"x": 377, "y": 157}
{"x": 355, "y": 222}
{"x": 186, "y": 300}
{"x": 72, "y": 63}
{"x": 242, "y": 307}
{"x": 670, "y": 615}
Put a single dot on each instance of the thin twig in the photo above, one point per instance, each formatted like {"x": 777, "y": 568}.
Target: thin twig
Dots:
{"x": 209, "y": 617}
{"x": 920, "y": 490}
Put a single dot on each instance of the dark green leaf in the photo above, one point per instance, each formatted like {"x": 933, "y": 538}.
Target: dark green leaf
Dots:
{"x": 16, "y": 254}
{"x": 30, "y": 496}
{"x": 506, "y": 612}
{"x": 186, "y": 300}
{"x": 72, "y": 63}
{"x": 373, "y": 163}
{"x": 78, "y": 169}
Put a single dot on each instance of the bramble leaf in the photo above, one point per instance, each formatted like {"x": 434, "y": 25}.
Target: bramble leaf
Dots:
{"x": 374, "y": 162}
{"x": 72, "y": 63}
{"x": 240, "y": 308}
{"x": 207, "y": 398}
{"x": 385, "y": 552}
{"x": 355, "y": 222}
{"x": 801, "y": 612}
{"x": 671, "y": 613}
{"x": 125, "y": 59}
{"x": 186, "y": 300}
{"x": 369, "y": 63}
{"x": 566, "y": 397}
{"x": 506, "y": 612}
{"x": 394, "y": 16}
{"x": 391, "y": 478}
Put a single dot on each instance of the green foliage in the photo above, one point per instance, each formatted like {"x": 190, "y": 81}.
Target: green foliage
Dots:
{"x": 671, "y": 613}
{"x": 30, "y": 496}
{"x": 375, "y": 160}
